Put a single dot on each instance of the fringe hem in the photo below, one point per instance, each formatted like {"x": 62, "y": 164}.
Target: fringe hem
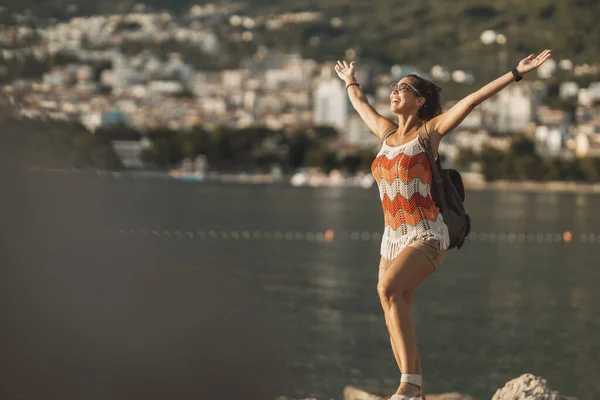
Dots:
{"x": 390, "y": 250}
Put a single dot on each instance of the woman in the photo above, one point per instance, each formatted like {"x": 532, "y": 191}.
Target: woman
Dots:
{"x": 415, "y": 238}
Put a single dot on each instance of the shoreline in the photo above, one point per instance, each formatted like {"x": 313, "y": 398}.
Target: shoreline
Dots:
{"x": 265, "y": 179}
{"x": 536, "y": 186}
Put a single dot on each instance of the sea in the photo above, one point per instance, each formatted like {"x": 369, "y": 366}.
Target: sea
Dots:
{"x": 125, "y": 288}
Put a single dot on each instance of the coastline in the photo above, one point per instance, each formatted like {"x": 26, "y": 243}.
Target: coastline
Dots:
{"x": 267, "y": 179}
{"x": 536, "y": 186}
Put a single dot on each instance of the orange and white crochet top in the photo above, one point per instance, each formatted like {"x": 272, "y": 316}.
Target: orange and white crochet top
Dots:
{"x": 403, "y": 174}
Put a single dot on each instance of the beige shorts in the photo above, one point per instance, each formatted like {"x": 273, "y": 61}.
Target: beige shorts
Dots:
{"x": 431, "y": 249}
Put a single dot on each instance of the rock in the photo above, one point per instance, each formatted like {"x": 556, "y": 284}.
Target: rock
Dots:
{"x": 354, "y": 393}
{"x": 449, "y": 396}
{"x": 528, "y": 387}
{"x": 525, "y": 387}
{"x": 287, "y": 398}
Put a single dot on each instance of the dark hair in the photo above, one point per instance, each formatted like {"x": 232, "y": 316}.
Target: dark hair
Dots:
{"x": 431, "y": 92}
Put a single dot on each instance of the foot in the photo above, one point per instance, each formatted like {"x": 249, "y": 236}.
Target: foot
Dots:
{"x": 410, "y": 388}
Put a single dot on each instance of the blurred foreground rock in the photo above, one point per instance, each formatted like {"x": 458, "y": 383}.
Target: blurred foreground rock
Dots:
{"x": 528, "y": 387}
{"x": 354, "y": 393}
{"x": 525, "y": 387}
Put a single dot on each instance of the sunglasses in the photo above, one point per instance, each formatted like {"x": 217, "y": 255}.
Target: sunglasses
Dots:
{"x": 403, "y": 87}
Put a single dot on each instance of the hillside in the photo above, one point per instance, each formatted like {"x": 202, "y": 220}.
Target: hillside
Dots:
{"x": 447, "y": 32}
{"x": 423, "y": 32}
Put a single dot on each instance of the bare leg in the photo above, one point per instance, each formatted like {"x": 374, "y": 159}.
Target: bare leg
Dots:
{"x": 421, "y": 373}
{"x": 396, "y": 290}
{"x": 418, "y": 356}
{"x": 383, "y": 266}
{"x": 397, "y": 357}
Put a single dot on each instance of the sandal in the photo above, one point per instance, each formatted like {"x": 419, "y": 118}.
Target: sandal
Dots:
{"x": 413, "y": 380}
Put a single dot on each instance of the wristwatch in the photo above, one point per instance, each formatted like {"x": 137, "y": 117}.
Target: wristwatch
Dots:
{"x": 516, "y": 74}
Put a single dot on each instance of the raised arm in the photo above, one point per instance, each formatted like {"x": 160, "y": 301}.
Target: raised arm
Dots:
{"x": 376, "y": 123}
{"x": 449, "y": 120}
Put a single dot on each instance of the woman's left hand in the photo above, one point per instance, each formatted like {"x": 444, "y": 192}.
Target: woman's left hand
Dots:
{"x": 531, "y": 62}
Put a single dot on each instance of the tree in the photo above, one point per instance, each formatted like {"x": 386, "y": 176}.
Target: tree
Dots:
{"x": 104, "y": 158}
{"x": 525, "y": 167}
{"x": 466, "y": 156}
{"x": 493, "y": 163}
{"x": 330, "y": 162}
{"x": 315, "y": 157}
{"x": 590, "y": 169}
{"x": 351, "y": 162}
{"x": 162, "y": 149}
{"x": 298, "y": 146}
{"x": 552, "y": 169}
{"x": 54, "y": 144}
{"x": 521, "y": 145}
{"x": 167, "y": 147}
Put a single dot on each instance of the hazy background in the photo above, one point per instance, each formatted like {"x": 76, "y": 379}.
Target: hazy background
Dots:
{"x": 187, "y": 212}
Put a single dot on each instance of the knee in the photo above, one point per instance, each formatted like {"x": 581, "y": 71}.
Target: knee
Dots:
{"x": 382, "y": 290}
{"x": 390, "y": 293}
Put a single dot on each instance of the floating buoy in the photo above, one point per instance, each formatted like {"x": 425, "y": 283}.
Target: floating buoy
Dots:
{"x": 329, "y": 235}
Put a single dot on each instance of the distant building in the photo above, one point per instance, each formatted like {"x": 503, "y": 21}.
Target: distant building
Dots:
{"x": 589, "y": 96}
{"x": 358, "y": 134}
{"x": 549, "y": 140}
{"x": 474, "y": 140}
{"x": 473, "y": 121}
{"x": 584, "y": 114}
{"x": 568, "y": 90}
{"x": 91, "y": 120}
{"x": 330, "y": 103}
{"x": 549, "y": 116}
{"x": 209, "y": 42}
{"x": 114, "y": 117}
{"x": 130, "y": 152}
{"x": 587, "y": 140}
{"x": 512, "y": 109}
{"x": 233, "y": 79}
{"x": 165, "y": 87}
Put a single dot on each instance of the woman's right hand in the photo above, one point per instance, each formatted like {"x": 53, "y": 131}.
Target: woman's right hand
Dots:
{"x": 377, "y": 124}
{"x": 345, "y": 71}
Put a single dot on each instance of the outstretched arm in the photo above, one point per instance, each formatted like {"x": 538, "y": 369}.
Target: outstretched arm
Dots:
{"x": 376, "y": 123}
{"x": 449, "y": 120}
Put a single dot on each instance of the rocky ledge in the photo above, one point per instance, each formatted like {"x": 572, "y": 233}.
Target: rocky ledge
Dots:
{"x": 525, "y": 387}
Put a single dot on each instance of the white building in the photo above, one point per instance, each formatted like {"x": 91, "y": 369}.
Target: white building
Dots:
{"x": 91, "y": 120}
{"x": 358, "y": 134}
{"x": 512, "y": 109}
{"x": 587, "y": 140}
{"x": 165, "y": 87}
{"x": 549, "y": 140}
{"x": 568, "y": 90}
{"x": 233, "y": 79}
{"x": 130, "y": 152}
{"x": 473, "y": 121}
{"x": 587, "y": 97}
{"x": 330, "y": 103}
{"x": 474, "y": 140}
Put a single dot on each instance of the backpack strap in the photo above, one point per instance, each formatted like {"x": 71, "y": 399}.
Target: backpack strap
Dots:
{"x": 389, "y": 133}
{"x": 435, "y": 170}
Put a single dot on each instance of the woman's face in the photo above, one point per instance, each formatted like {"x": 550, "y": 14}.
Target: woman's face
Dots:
{"x": 404, "y": 97}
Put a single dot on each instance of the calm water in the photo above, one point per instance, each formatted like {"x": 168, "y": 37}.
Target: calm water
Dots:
{"x": 118, "y": 289}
